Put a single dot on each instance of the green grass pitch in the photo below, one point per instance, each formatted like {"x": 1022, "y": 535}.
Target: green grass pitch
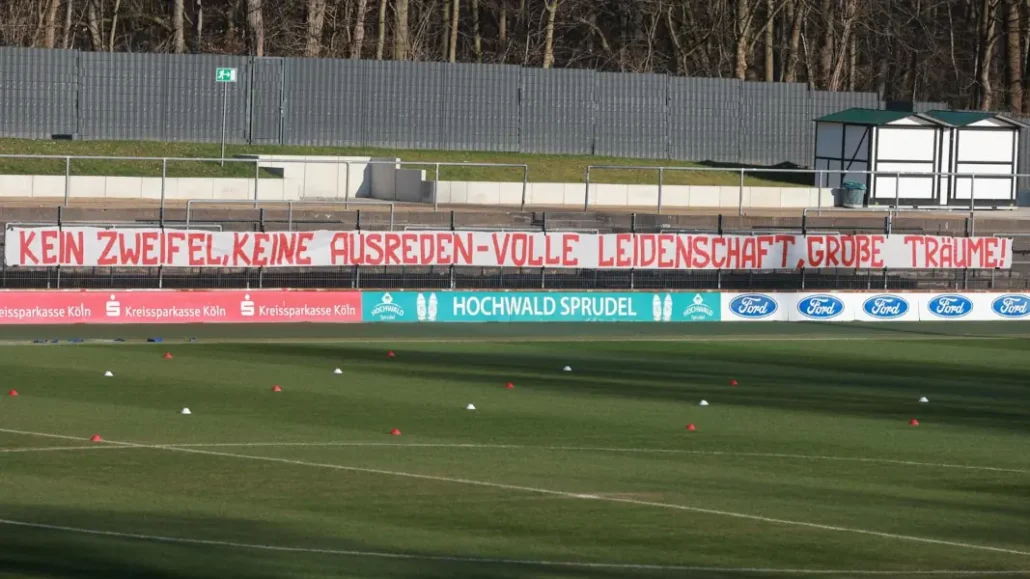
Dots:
{"x": 808, "y": 466}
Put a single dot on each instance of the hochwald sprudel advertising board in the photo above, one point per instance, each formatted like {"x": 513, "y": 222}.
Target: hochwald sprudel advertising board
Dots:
{"x": 277, "y": 306}
{"x": 99, "y": 247}
{"x": 461, "y": 306}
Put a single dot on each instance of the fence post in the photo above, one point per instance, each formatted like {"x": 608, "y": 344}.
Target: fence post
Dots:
{"x": 436, "y": 189}
{"x": 740, "y": 196}
{"x": 346, "y": 186}
{"x": 661, "y": 177}
{"x": 586, "y": 192}
{"x": 257, "y": 172}
{"x": 67, "y": 180}
{"x": 897, "y": 191}
{"x": 525, "y": 181}
{"x": 972, "y": 194}
{"x": 164, "y": 179}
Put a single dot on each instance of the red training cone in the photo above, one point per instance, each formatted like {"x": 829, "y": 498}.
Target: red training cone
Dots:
{"x": 914, "y": 422}
{"x": 96, "y": 438}
{"x": 395, "y": 432}
{"x": 12, "y": 393}
{"x": 276, "y": 388}
{"x": 390, "y": 354}
{"x": 733, "y": 383}
{"x": 691, "y": 427}
{"x": 168, "y": 355}
{"x": 509, "y": 385}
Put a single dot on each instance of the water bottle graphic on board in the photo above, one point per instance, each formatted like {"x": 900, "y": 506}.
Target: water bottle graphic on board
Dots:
{"x": 667, "y": 309}
{"x": 656, "y": 308}
{"x": 432, "y": 307}
{"x": 420, "y": 307}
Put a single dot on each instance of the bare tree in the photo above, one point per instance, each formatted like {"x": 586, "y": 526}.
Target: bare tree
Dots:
{"x": 477, "y": 39}
{"x": 316, "y": 20}
{"x": 381, "y": 30}
{"x": 551, "y": 6}
{"x": 359, "y": 29}
{"x": 198, "y": 26}
{"x": 50, "y": 24}
{"x": 770, "y": 41}
{"x": 1014, "y": 55}
{"x": 178, "y": 19}
{"x": 114, "y": 25}
{"x": 986, "y": 43}
{"x": 255, "y": 27}
{"x": 796, "y": 13}
{"x": 400, "y": 30}
{"x": 455, "y": 17}
{"x": 742, "y": 30}
{"x": 95, "y": 24}
{"x": 69, "y": 34}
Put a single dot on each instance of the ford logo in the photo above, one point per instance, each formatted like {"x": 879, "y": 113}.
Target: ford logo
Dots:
{"x": 949, "y": 306}
{"x": 885, "y": 307}
{"x": 1011, "y": 306}
{"x": 821, "y": 307}
{"x": 754, "y": 306}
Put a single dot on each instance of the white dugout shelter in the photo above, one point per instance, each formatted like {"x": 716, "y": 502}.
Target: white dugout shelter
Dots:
{"x": 893, "y": 143}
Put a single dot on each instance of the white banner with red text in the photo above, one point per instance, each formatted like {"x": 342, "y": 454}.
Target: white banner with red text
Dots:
{"x": 99, "y": 247}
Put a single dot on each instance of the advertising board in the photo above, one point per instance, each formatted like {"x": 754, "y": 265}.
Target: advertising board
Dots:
{"x": 521, "y": 306}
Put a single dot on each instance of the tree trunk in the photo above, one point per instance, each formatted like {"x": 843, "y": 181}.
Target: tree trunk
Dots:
{"x": 400, "y": 30}
{"x": 381, "y": 30}
{"x": 178, "y": 34}
{"x": 502, "y": 28}
{"x": 552, "y": 8}
{"x": 853, "y": 63}
{"x": 50, "y": 25}
{"x": 316, "y": 20}
{"x": 769, "y": 41}
{"x": 445, "y": 26}
{"x": 986, "y": 55}
{"x": 198, "y": 26}
{"x": 359, "y": 30}
{"x": 1014, "y": 54}
{"x": 256, "y": 27}
{"x": 477, "y": 40}
{"x": 455, "y": 16}
{"x": 95, "y": 26}
{"x": 826, "y": 49}
{"x": 114, "y": 25}
{"x": 743, "y": 38}
{"x": 796, "y": 14}
{"x": 69, "y": 34}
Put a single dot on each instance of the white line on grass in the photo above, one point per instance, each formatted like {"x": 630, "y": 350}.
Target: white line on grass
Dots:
{"x": 602, "y": 449}
{"x": 58, "y": 448}
{"x": 498, "y": 561}
{"x": 518, "y": 488}
{"x": 546, "y": 448}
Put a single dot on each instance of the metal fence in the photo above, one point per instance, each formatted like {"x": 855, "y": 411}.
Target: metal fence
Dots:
{"x": 408, "y": 105}
{"x": 366, "y": 277}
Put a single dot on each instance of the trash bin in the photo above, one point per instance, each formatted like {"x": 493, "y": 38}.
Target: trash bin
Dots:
{"x": 852, "y": 194}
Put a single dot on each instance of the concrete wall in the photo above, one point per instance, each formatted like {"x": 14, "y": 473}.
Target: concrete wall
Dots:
{"x": 630, "y": 196}
{"x": 303, "y": 179}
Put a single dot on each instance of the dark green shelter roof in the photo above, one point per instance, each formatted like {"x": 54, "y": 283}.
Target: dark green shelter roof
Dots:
{"x": 873, "y": 117}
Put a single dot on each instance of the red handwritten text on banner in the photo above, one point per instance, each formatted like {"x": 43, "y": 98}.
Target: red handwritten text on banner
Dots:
{"x": 93, "y": 247}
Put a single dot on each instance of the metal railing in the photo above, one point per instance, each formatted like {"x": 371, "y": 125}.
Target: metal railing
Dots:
{"x": 343, "y": 185}
{"x": 267, "y": 162}
{"x": 819, "y": 180}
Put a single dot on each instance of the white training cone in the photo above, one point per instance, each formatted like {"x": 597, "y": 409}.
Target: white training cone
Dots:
{"x": 337, "y": 371}
{"x": 470, "y": 407}
{"x": 567, "y": 369}
{"x": 924, "y": 399}
{"x": 185, "y": 411}
{"x": 109, "y": 374}
{"x": 703, "y": 403}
